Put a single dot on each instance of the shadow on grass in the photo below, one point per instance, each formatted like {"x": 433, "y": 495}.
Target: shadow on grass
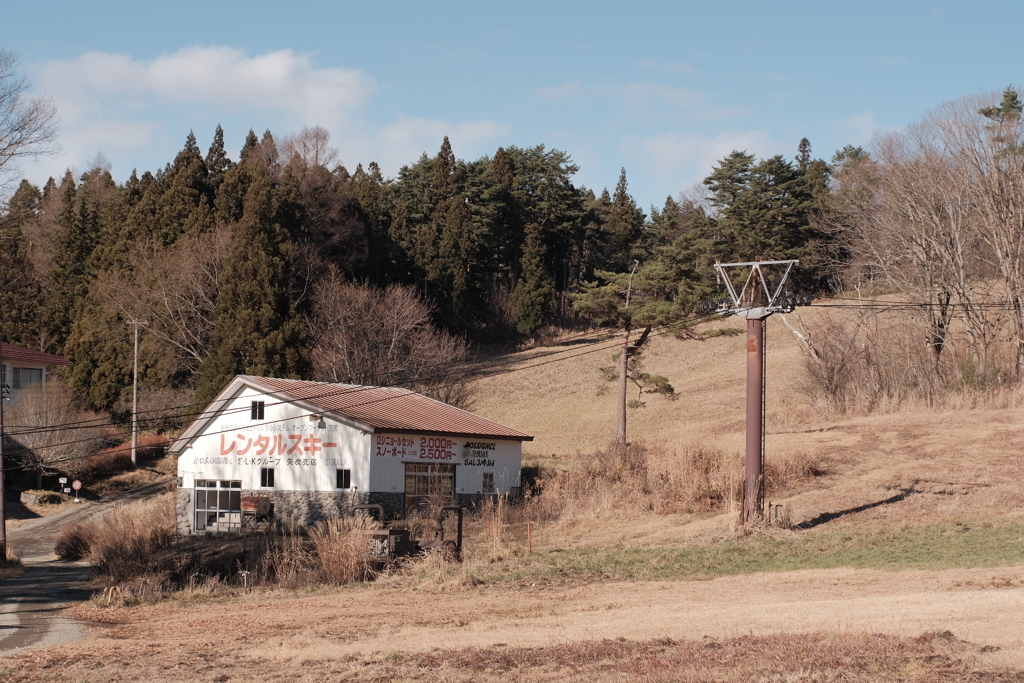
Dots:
{"x": 830, "y": 516}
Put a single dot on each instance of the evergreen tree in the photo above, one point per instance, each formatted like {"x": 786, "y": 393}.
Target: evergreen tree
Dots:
{"x": 217, "y": 161}
{"x": 375, "y": 201}
{"x": 20, "y": 290}
{"x": 803, "y": 155}
{"x": 70, "y": 267}
{"x": 258, "y": 330}
{"x": 625, "y": 227}
{"x": 534, "y": 297}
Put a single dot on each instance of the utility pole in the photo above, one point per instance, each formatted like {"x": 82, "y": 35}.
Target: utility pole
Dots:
{"x": 3, "y": 488}
{"x": 755, "y": 301}
{"x": 135, "y": 392}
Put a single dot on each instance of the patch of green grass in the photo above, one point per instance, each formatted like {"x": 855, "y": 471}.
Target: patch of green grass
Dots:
{"x": 929, "y": 547}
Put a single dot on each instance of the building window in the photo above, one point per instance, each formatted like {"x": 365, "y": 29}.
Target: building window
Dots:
{"x": 267, "y": 477}
{"x": 257, "y": 410}
{"x": 218, "y": 505}
{"x": 344, "y": 479}
{"x": 426, "y": 484}
{"x": 488, "y": 482}
{"x": 25, "y": 377}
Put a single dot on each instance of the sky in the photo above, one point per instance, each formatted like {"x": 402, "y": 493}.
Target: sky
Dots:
{"x": 662, "y": 89}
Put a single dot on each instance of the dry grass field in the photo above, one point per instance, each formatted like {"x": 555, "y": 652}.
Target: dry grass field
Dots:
{"x": 899, "y": 554}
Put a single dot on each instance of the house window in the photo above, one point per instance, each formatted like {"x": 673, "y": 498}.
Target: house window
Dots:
{"x": 257, "y": 410}
{"x": 218, "y": 505}
{"x": 488, "y": 482}
{"x": 344, "y": 479}
{"x": 25, "y": 377}
{"x": 267, "y": 477}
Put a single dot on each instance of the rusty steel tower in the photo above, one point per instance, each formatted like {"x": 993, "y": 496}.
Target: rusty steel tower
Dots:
{"x": 755, "y": 301}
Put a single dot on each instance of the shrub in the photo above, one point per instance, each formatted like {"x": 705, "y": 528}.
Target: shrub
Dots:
{"x": 74, "y": 541}
{"x": 106, "y": 462}
{"x": 123, "y": 543}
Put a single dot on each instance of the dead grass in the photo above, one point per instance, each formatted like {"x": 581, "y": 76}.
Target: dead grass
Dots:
{"x": 149, "y": 472}
{"x": 639, "y": 480}
{"x": 123, "y": 543}
{"x": 335, "y": 552}
{"x": 798, "y": 658}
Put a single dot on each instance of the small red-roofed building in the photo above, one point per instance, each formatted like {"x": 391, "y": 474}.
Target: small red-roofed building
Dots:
{"x": 315, "y": 450}
{"x": 21, "y": 368}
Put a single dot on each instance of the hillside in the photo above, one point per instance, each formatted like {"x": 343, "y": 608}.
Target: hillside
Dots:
{"x": 570, "y": 409}
{"x": 934, "y": 463}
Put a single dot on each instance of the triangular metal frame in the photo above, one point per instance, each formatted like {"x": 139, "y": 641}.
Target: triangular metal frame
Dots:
{"x": 738, "y": 306}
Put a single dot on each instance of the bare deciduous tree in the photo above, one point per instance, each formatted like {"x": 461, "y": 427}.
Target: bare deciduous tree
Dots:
{"x": 383, "y": 337}
{"x": 176, "y": 290}
{"x": 52, "y": 432}
{"x": 28, "y": 126}
{"x": 913, "y": 217}
{"x": 311, "y": 145}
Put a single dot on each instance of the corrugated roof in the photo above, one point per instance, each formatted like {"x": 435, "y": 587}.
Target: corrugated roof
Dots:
{"x": 12, "y": 352}
{"x": 388, "y": 408}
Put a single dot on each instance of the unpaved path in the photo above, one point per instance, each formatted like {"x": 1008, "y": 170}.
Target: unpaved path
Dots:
{"x": 32, "y": 605}
{"x": 269, "y": 635}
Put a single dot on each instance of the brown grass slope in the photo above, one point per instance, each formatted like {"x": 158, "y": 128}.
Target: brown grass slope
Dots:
{"x": 914, "y": 465}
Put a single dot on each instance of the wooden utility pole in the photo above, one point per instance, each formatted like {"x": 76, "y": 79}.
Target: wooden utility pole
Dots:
{"x": 755, "y": 302}
{"x": 3, "y": 474}
{"x": 135, "y": 392}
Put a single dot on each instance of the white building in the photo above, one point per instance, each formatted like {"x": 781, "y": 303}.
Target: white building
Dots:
{"x": 21, "y": 368}
{"x": 316, "y": 449}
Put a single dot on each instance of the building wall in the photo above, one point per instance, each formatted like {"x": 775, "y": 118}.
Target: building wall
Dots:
{"x": 306, "y": 454}
{"x": 7, "y": 376}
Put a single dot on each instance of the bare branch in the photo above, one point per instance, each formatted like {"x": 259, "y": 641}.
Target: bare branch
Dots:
{"x": 28, "y": 126}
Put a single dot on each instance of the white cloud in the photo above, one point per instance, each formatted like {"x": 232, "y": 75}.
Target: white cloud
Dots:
{"x": 96, "y": 82}
{"x": 138, "y": 112}
{"x": 677, "y": 152}
{"x": 858, "y": 128}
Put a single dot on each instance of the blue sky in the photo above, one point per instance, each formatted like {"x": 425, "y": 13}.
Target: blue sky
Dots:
{"x": 662, "y": 89}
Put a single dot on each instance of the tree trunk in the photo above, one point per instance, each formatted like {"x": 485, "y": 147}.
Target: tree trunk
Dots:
{"x": 620, "y": 432}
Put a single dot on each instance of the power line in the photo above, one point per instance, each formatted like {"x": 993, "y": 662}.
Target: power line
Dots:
{"x": 350, "y": 389}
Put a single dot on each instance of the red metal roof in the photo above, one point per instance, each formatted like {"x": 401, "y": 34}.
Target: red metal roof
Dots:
{"x": 388, "y": 408}
{"x": 15, "y": 353}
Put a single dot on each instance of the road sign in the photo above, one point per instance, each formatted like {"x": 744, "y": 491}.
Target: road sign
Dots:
{"x": 76, "y": 484}
{"x": 67, "y": 490}
{"x": 63, "y": 480}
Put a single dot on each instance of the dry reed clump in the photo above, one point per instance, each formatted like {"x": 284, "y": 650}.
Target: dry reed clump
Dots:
{"x": 694, "y": 480}
{"x": 122, "y": 544}
{"x": 334, "y": 552}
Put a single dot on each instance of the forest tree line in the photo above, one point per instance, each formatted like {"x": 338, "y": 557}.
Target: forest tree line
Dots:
{"x": 286, "y": 263}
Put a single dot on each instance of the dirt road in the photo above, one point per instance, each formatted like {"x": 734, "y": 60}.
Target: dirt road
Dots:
{"x": 33, "y": 605}
{"x": 279, "y": 636}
